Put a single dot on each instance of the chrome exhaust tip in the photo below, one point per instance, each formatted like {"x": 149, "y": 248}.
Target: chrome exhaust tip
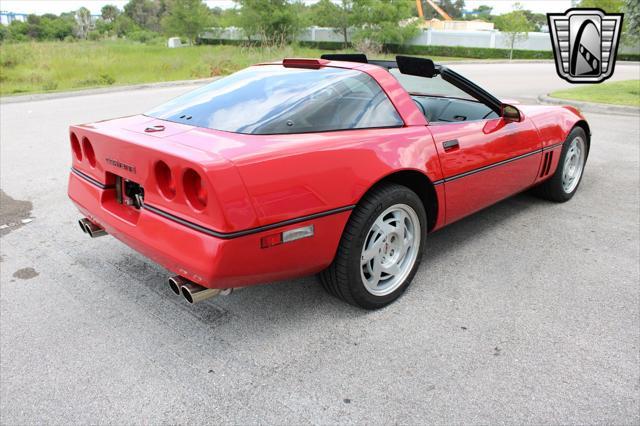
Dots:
{"x": 195, "y": 293}
{"x": 176, "y": 282}
{"x": 91, "y": 228}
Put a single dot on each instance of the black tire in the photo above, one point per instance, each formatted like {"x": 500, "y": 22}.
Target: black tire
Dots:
{"x": 343, "y": 277}
{"x": 552, "y": 189}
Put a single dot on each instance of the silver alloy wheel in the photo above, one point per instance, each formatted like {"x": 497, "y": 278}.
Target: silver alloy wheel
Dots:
{"x": 390, "y": 250}
{"x": 573, "y": 165}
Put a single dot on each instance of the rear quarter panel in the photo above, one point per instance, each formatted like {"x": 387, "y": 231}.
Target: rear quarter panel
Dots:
{"x": 288, "y": 176}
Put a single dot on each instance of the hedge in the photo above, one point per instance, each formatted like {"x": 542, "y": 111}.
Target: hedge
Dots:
{"x": 446, "y": 51}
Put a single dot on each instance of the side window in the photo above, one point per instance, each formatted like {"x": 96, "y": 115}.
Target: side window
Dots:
{"x": 441, "y": 101}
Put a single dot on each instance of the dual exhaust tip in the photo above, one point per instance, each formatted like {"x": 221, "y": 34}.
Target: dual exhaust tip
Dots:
{"x": 94, "y": 230}
{"x": 192, "y": 292}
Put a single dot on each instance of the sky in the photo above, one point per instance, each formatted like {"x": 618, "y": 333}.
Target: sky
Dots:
{"x": 40, "y": 7}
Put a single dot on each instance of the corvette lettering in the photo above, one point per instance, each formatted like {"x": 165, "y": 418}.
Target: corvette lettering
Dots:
{"x": 121, "y": 165}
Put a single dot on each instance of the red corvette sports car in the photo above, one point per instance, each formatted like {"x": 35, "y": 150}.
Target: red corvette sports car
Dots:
{"x": 339, "y": 166}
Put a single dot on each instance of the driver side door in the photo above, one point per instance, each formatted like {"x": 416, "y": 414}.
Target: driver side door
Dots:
{"x": 485, "y": 161}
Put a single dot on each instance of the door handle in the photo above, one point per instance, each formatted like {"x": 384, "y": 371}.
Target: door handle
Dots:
{"x": 451, "y": 145}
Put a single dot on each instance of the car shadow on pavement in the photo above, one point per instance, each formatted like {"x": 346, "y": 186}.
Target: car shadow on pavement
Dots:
{"x": 453, "y": 237}
{"x": 299, "y": 301}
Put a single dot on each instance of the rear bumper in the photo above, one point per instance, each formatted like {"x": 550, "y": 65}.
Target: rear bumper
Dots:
{"x": 214, "y": 262}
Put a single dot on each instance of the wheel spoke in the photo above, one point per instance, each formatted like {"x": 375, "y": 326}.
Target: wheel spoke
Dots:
{"x": 407, "y": 244}
{"x": 376, "y": 272}
{"x": 384, "y": 227}
{"x": 372, "y": 251}
{"x": 392, "y": 269}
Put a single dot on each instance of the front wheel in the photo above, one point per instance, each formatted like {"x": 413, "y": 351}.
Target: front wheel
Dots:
{"x": 565, "y": 181}
{"x": 380, "y": 249}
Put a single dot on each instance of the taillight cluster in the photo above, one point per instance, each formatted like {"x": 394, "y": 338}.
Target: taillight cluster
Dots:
{"x": 84, "y": 150}
{"x": 193, "y": 185}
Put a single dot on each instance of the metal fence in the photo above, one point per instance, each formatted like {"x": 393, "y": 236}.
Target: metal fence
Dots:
{"x": 429, "y": 37}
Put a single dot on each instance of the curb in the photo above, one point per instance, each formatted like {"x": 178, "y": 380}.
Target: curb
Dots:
{"x": 100, "y": 91}
{"x": 591, "y": 106}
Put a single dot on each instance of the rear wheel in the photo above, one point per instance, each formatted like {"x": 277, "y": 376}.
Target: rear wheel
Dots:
{"x": 380, "y": 249}
{"x": 565, "y": 181}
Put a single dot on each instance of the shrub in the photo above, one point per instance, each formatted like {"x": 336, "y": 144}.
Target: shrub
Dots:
{"x": 50, "y": 85}
{"x": 142, "y": 36}
{"x": 9, "y": 58}
{"x": 106, "y": 78}
{"x": 368, "y": 46}
{"x": 94, "y": 35}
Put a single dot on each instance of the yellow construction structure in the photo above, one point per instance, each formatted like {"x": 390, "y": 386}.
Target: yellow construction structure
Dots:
{"x": 448, "y": 23}
{"x": 437, "y": 8}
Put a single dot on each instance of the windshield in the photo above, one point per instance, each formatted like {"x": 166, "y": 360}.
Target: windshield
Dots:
{"x": 272, "y": 99}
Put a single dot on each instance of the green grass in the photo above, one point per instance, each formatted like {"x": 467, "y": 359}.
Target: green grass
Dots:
{"x": 58, "y": 66}
{"x": 617, "y": 92}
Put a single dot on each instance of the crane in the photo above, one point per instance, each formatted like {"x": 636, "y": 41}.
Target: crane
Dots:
{"x": 437, "y": 8}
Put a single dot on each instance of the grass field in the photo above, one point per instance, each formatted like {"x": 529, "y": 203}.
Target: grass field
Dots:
{"x": 617, "y": 92}
{"x": 58, "y": 66}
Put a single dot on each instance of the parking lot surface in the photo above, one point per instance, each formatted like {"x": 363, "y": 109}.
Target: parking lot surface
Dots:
{"x": 527, "y": 312}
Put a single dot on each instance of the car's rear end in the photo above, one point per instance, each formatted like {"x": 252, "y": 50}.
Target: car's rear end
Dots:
{"x": 160, "y": 188}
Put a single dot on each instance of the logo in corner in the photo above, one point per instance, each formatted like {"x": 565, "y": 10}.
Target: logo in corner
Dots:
{"x": 585, "y": 44}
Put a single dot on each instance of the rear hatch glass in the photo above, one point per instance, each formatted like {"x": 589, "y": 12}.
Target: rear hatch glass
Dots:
{"x": 272, "y": 99}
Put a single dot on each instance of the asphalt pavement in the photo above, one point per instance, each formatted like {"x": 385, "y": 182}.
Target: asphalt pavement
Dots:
{"x": 526, "y": 312}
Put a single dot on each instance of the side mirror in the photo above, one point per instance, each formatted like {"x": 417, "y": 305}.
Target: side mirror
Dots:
{"x": 511, "y": 113}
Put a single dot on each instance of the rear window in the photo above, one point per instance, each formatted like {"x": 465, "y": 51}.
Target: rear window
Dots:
{"x": 272, "y": 99}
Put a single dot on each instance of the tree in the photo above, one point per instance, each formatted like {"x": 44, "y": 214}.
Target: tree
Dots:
{"x": 338, "y": 16}
{"x": 632, "y": 21}
{"x": 18, "y": 31}
{"x": 109, "y": 12}
{"x": 609, "y": 6}
{"x": 482, "y": 12}
{"x": 228, "y": 18}
{"x": 145, "y": 13}
{"x": 273, "y": 20}
{"x": 537, "y": 20}
{"x": 186, "y": 18}
{"x": 384, "y": 21}
{"x": 123, "y": 25}
{"x": 56, "y": 28}
{"x": 83, "y": 22}
{"x": 515, "y": 26}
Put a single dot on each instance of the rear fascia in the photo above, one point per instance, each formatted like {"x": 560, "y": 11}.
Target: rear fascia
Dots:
{"x": 207, "y": 260}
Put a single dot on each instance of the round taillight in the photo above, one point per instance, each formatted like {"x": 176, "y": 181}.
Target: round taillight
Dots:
{"x": 194, "y": 189}
{"x": 88, "y": 152}
{"x": 75, "y": 147}
{"x": 164, "y": 179}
